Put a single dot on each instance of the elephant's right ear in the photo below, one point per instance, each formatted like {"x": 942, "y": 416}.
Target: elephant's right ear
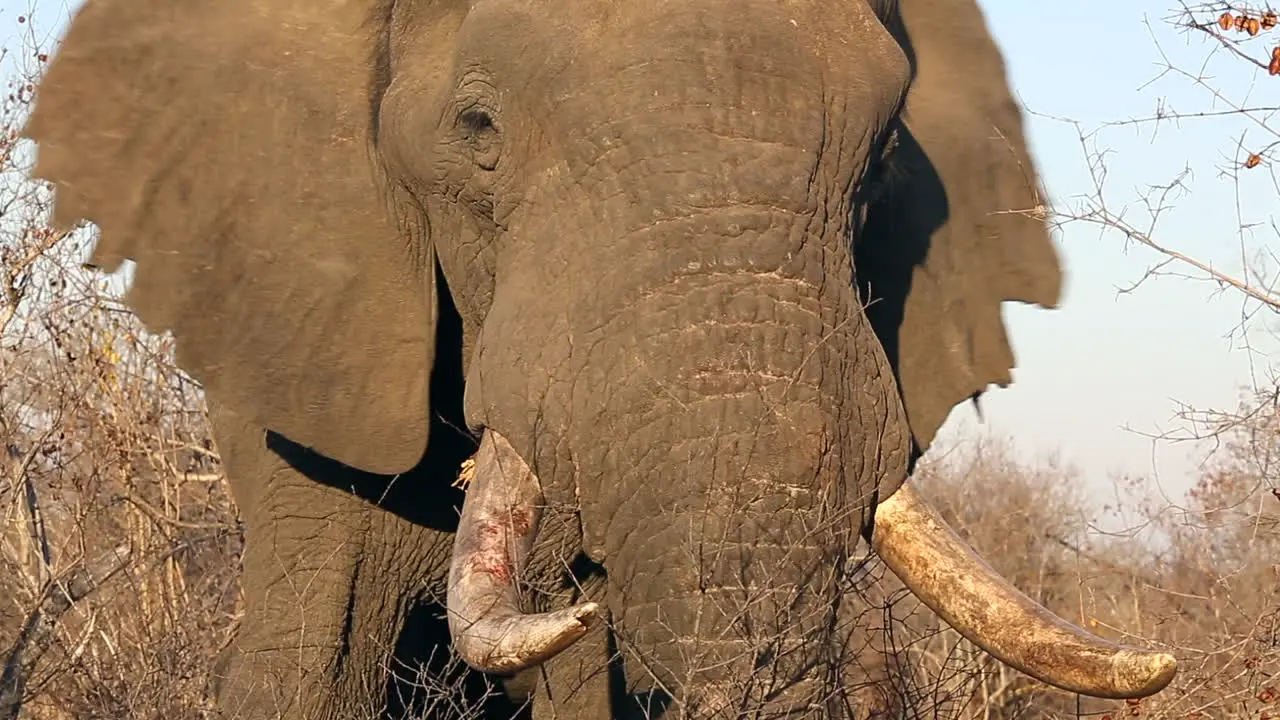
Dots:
{"x": 226, "y": 147}
{"x": 961, "y": 228}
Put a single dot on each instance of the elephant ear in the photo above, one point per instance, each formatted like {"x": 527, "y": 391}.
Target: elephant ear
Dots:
{"x": 226, "y": 147}
{"x": 961, "y": 226}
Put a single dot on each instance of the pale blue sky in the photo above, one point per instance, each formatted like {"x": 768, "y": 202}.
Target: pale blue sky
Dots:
{"x": 1104, "y": 361}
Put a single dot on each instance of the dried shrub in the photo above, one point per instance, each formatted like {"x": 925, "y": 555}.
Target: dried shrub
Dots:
{"x": 118, "y": 535}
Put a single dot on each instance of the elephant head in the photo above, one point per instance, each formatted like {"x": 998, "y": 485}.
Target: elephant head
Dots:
{"x": 723, "y": 269}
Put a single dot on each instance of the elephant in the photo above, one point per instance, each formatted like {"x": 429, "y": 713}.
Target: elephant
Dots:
{"x": 584, "y": 341}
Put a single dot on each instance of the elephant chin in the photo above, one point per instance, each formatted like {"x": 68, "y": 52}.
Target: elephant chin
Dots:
{"x": 500, "y": 521}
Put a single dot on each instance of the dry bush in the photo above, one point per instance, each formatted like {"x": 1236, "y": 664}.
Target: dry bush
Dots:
{"x": 1237, "y": 45}
{"x": 1220, "y": 570}
{"x": 119, "y": 541}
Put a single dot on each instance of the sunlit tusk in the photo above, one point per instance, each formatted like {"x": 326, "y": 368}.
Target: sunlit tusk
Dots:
{"x": 948, "y": 576}
{"x": 500, "y": 517}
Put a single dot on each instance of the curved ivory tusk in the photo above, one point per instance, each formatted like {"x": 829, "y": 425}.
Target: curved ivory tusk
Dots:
{"x": 948, "y": 576}
{"x": 500, "y": 517}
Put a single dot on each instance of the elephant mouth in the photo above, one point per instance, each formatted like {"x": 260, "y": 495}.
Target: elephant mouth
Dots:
{"x": 500, "y": 523}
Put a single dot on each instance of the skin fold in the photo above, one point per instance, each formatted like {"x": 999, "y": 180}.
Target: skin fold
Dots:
{"x": 715, "y": 271}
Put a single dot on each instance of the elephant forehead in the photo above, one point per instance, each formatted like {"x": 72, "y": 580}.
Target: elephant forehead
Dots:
{"x": 754, "y": 54}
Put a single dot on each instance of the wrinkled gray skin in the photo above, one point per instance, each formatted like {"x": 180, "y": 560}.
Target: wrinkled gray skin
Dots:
{"x": 641, "y": 235}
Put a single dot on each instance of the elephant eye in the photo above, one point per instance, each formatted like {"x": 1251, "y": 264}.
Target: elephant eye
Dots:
{"x": 478, "y": 127}
{"x": 475, "y": 121}
{"x": 893, "y": 136}
{"x": 887, "y": 169}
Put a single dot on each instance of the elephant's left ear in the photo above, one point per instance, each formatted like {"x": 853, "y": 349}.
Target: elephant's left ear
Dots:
{"x": 226, "y": 147}
{"x": 961, "y": 228}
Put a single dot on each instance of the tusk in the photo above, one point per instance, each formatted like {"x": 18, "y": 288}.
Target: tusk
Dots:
{"x": 948, "y": 576}
{"x": 500, "y": 517}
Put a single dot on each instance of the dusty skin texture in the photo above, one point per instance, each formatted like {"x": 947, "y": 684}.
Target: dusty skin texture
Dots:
{"x": 636, "y": 239}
